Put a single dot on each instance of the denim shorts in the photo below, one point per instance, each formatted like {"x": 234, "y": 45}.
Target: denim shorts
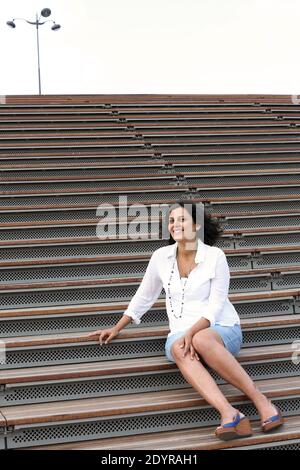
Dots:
{"x": 231, "y": 335}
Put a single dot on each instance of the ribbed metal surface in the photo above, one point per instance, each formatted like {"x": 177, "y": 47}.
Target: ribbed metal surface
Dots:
{"x": 139, "y": 196}
{"x": 71, "y": 323}
{"x": 139, "y": 424}
{"x": 2, "y": 438}
{"x": 291, "y": 444}
{"x": 154, "y": 317}
{"x": 85, "y": 352}
{"x": 126, "y": 269}
{"x": 257, "y": 309}
{"x": 261, "y": 222}
{"x": 114, "y": 248}
{"x": 135, "y": 383}
{"x": 93, "y": 185}
{"x": 90, "y": 214}
{"x": 271, "y": 336}
{"x": 273, "y": 260}
{"x": 89, "y": 352}
{"x": 287, "y": 281}
{"x": 151, "y": 183}
{"x": 107, "y": 293}
{"x": 95, "y": 199}
{"x": 235, "y": 180}
{"x": 268, "y": 239}
{"x": 288, "y": 446}
{"x": 79, "y": 231}
{"x": 87, "y": 271}
{"x": 135, "y": 171}
{"x": 266, "y": 155}
{"x": 228, "y": 208}
{"x": 80, "y": 173}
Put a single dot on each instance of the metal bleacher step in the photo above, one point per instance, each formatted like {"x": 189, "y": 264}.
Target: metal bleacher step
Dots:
{"x": 285, "y": 438}
{"x": 40, "y": 200}
{"x": 38, "y": 384}
{"x": 16, "y": 273}
{"x": 289, "y": 177}
{"x": 221, "y": 209}
{"x": 44, "y": 174}
{"x": 56, "y": 255}
{"x": 188, "y": 156}
{"x": 89, "y": 317}
{"x": 18, "y": 294}
{"x": 145, "y": 413}
{"x": 145, "y": 224}
{"x": 63, "y": 156}
{"x": 68, "y": 348}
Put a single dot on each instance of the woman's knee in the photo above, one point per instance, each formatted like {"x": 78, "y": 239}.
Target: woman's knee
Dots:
{"x": 177, "y": 350}
{"x": 202, "y": 342}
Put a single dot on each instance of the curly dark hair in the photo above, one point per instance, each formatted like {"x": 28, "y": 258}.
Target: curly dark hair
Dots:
{"x": 212, "y": 228}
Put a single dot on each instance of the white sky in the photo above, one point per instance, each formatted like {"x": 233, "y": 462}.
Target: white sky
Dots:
{"x": 153, "y": 46}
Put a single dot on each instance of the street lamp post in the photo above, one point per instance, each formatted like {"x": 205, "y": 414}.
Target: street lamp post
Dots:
{"x": 46, "y": 12}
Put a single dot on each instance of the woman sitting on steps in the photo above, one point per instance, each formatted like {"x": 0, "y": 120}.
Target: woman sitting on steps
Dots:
{"x": 204, "y": 325}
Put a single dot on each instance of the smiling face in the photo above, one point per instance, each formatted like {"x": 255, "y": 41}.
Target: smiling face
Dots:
{"x": 181, "y": 225}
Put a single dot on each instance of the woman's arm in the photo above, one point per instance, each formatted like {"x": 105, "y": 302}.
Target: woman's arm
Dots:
{"x": 148, "y": 291}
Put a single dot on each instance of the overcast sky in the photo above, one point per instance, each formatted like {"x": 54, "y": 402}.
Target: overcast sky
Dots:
{"x": 153, "y": 46}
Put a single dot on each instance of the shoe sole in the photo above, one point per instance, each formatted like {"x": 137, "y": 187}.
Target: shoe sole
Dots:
{"x": 243, "y": 429}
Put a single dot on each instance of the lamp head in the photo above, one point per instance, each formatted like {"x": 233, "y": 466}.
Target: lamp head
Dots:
{"x": 46, "y": 12}
{"x": 11, "y": 24}
{"x": 56, "y": 27}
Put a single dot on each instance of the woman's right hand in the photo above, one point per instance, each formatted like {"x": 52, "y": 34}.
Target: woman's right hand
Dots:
{"x": 105, "y": 335}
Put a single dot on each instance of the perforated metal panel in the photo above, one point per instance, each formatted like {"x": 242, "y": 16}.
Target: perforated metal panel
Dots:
{"x": 154, "y": 317}
{"x": 273, "y": 260}
{"x": 115, "y": 269}
{"x": 2, "y": 439}
{"x": 107, "y": 293}
{"x": 254, "y": 283}
{"x": 90, "y": 214}
{"x": 268, "y": 239}
{"x": 86, "y": 199}
{"x": 91, "y": 388}
{"x": 134, "y": 383}
{"x": 230, "y": 208}
{"x": 138, "y": 196}
{"x": 141, "y": 228}
{"x": 238, "y": 180}
{"x": 66, "y": 297}
{"x": 133, "y": 425}
{"x": 257, "y": 309}
{"x": 133, "y": 170}
{"x": 287, "y": 281}
{"x": 294, "y": 445}
{"x": 262, "y": 222}
{"x": 67, "y": 354}
{"x": 266, "y": 156}
{"x": 85, "y": 352}
{"x": 268, "y": 336}
{"x": 238, "y": 262}
{"x": 81, "y": 172}
{"x": 114, "y": 248}
{"x": 71, "y": 323}
{"x": 94, "y": 185}
{"x": 93, "y": 271}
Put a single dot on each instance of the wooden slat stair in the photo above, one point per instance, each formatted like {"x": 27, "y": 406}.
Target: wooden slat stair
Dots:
{"x": 60, "y": 157}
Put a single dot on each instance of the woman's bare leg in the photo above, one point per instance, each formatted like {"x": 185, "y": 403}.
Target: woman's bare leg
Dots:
{"x": 198, "y": 376}
{"x": 210, "y": 347}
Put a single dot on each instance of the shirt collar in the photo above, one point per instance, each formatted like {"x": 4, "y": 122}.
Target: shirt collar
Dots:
{"x": 200, "y": 254}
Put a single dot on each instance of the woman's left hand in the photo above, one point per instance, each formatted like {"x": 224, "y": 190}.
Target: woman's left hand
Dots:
{"x": 187, "y": 346}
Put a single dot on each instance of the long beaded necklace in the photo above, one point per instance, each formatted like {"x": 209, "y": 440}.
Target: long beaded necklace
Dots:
{"x": 183, "y": 291}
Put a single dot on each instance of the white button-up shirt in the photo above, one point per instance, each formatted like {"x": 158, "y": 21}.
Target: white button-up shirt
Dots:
{"x": 206, "y": 290}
